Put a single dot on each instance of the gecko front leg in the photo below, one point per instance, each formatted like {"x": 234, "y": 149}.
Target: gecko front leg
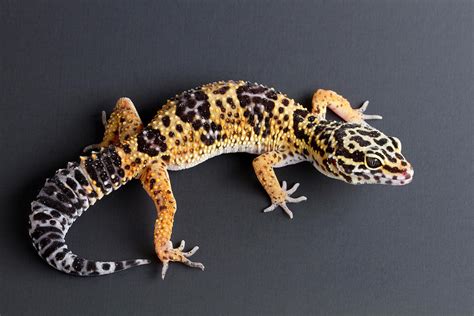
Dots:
{"x": 156, "y": 182}
{"x": 323, "y": 99}
{"x": 279, "y": 195}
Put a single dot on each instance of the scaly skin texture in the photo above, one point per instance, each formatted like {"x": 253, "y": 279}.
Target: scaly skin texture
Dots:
{"x": 217, "y": 118}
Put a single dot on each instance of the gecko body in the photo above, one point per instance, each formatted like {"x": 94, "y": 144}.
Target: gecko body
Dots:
{"x": 198, "y": 124}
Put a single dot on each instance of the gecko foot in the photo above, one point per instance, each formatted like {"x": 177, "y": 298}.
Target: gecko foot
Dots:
{"x": 97, "y": 146}
{"x": 363, "y": 116}
{"x": 168, "y": 253}
{"x": 288, "y": 199}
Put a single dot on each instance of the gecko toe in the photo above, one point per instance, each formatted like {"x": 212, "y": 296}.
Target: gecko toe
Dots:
{"x": 288, "y": 199}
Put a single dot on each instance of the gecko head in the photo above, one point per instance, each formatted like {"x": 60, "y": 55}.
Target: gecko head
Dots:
{"x": 360, "y": 154}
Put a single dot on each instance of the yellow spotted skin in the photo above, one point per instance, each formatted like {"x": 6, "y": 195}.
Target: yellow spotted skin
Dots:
{"x": 238, "y": 116}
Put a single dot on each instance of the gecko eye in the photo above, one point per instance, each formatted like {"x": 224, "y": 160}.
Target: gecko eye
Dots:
{"x": 372, "y": 162}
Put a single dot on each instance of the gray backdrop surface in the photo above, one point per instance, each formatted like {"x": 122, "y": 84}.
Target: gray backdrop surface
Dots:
{"x": 356, "y": 250}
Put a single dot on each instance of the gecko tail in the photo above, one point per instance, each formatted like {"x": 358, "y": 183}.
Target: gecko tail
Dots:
{"x": 65, "y": 197}
{"x": 52, "y": 247}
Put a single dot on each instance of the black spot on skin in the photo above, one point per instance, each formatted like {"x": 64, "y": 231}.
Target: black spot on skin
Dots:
{"x": 285, "y": 102}
{"x": 197, "y": 125}
{"x": 179, "y": 128}
{"x": 60, "y": 256}
{"x": 381, "y": 141}
{"x": 302, "y": 113}
{"x": 90, "y": 266}
{"x": 347, "y": 168}
{"x": 166, "y": 120}
{"x": 220, "y": 105}
{"x": 131, "y": 263}
{"x": 347, "y": 178}
{"x": 269, "y": 105}
{"x": 44, "y": 243}
{"x": 392, "y": 169}
{"x": 80, "y": 178}
{"x": 399, "y": 156}
{"x": 78, "y": 264}
{"x": 362, "y": 175}
{"x": 204, "y": 110}
{"x": 356, "y": 156}
{"x": 121, "y": 173}
{"x": 49, "y": 190}
{"x": 359, "y": 140}
{"x": 200, "y": 95}
{"x": 118, "y": 266}
{"x": 127, "y": 149}
{"x": 232, "y": 103}
{"x": 109, "y": 166}
{"x": 221, "y": 90}
{"x": 372, "y": 134}
{"x": 40, "y": 231}
{"x": 71, "y": 183}
{"x": 394, "y": 142}
{"x": 105, "y": 266}
{"x": 271, "y": 94}
{"x": 52, "y": 248}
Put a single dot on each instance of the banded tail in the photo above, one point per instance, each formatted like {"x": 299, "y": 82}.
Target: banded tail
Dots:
{"x": 63, "y": 199}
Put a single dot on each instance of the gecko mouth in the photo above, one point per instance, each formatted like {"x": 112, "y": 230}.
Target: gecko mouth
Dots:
{"x": 405, "y": 178}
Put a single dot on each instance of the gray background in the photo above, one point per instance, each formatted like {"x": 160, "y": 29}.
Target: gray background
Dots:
{"x": 356, "y": 250}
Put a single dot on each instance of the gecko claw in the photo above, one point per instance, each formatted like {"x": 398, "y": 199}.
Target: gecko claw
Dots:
{"x": 177, "y": 255}
{"x": 288, "y": 199}
{"x": 164, "y": 269}
{"x": 104, "y": 118}
{"x": 91, "y": 147}
{"x": 97, "y": 146}
{"x": 363, "y": 116}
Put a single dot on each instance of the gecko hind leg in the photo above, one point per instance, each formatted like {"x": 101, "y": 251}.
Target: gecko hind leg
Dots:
{"x": 323, "y": 99}
{"x": 123, "y": 123}
{"x": 156, "y": 182}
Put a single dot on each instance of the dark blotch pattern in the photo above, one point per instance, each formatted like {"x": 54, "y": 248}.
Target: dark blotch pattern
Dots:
{"x": 258, "y": 102}
{"x": 151, "y": 142}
